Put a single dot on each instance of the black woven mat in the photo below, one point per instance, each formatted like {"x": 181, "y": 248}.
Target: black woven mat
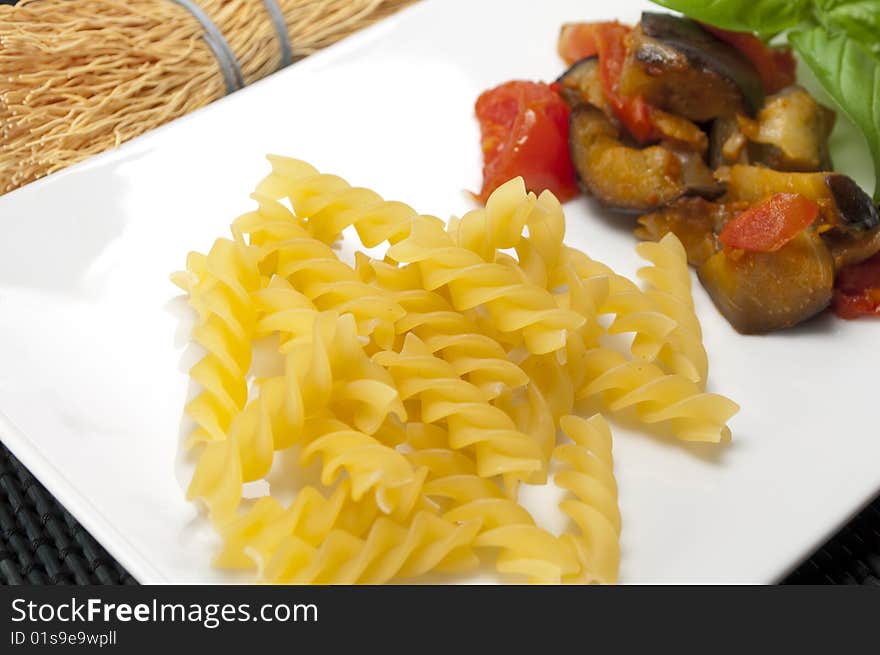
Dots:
{"x": 43, "y": 544}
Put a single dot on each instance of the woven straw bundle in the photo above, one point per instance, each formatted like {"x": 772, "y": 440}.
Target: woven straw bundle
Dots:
{"x": 80, "y": 76}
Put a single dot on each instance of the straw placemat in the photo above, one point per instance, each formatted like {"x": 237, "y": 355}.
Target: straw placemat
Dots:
{"x": 41, "y": 543}
{"x": 78, "y": 77}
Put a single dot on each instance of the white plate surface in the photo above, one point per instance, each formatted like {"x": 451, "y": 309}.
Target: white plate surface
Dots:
{"x": 93, "y": 336}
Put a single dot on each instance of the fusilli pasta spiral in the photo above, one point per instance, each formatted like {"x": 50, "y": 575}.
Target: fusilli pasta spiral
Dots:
{"x": 448, "y": 333}
{"x": 289, "y": 251}
{"x": 330, "y": 204}
{"x": 669, "y": 287}
{"x": 389, "y": 550}
{"x": 427, "y": 385}
{"x": 513, "y": 304}
{"x": 324, "y": 369}
{"x": 368, "y": 463}
{"x": 588, "y": 476}
{"x": 525, "y": 549}
{"x": 472, "y": 421}
{"x": 657, "y": 397}
{"x": 251, "y": 539}
{"x": 220, "y": 285}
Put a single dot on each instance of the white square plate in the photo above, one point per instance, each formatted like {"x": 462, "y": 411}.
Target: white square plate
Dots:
{"x": 93, "y": 345}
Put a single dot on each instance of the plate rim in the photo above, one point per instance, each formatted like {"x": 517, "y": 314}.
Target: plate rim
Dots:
{"x": 102, "y": 529}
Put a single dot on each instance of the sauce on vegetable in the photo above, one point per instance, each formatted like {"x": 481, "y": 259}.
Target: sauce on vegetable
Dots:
{"x": 706, "y": 130}
{"x": 770, "y": 224}
{"x": 857, "y": 290}
{"x": 608, "y": 41}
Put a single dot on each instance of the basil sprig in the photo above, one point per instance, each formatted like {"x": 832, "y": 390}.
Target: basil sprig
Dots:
{"x": 766, "y": 17}
{"x": 837, "y": 39}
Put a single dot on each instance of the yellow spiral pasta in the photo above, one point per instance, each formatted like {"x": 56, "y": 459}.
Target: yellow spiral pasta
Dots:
{"x": 446, "y": 332}
{"x": 525, "y": 549}
{"x": 390, "y": 550}
{"x": 220, "y": 287}
{"x": 669, "y": 287}
{"x": 500, "y": 224}
{"x": 580, "y": 283}
{"x": 634, "y": 312}
{"x": 289, "y": 251}
{"x": 657, "y": 397}
{"x": 472, "y": 421}
{"x": 368, "y": 463}
{"x": 425, "y": 386}
{"x": 587, "y": 474}
{"x": 250, "y": 540}
{"x": 330, "y": 204}
{"x": 322, "y": 371}
{"x": 513, "y": 304}
{"x": 475, "y": 357}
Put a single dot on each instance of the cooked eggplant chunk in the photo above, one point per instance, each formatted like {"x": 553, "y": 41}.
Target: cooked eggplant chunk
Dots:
{"x": 685, "y": 136}
{"x": 631, "y": 179}
{"x": 619, "y": 176}
{"x": 754, "y": 183}
{"x": 843, "y": 204}
{"x": 856, "y": 209}
{"x": 696, "y": 176}
{"x": 791, "y": 132}
{"x": 679, "y": 67}
{"x": 679, "y": 133}
{"x": 695, "y": 221}
{"x": 581, "y": 84}
{"x": 762, "y": 292}
{"x": 727, "y": 144}
{"x": 851, "y": 248}
{"x": 857, "y": 236}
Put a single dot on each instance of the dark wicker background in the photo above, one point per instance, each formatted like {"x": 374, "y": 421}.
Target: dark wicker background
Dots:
{"x": 42, "y": 544}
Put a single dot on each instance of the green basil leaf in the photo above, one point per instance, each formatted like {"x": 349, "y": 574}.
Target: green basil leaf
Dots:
{"x": 763, "y": 16}
{"x": 851, "y": 77}
{"x": 859, "y": 20}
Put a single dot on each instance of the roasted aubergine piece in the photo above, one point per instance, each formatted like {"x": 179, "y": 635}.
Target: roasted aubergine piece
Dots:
{"x": 766, "y": 291}
{"x": 844, "y": 206}
{"x": 790, "y": 133}
{"x": 679, "y": 67}
{"x": 696, "y": 222}
{"x": 581, "y": 85}
{"x": 630, "y": 178}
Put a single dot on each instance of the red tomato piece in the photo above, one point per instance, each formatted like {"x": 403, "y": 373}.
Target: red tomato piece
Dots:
{"x": 578, "y": 41}
{"x": 770, "y": 224}
{"x": 632, "y": 111}
{"x": 524, "y": 132}
{"x": 775, "y": 66}
{"x": 607, "y": 40}
{"x": 857, "y": 290}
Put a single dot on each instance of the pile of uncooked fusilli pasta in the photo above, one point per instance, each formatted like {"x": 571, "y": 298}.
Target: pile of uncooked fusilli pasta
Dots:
{"x": 428, "y": 385}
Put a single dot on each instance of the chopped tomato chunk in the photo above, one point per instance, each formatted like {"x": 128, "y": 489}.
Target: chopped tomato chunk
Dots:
{"x": 578, "y": 41}
{"x": 524, "y": 132}
{"x": 857, "y": 290}
{"x": 607, "y": 40}
{"x": 775, "y": 66}
{"x": 770, "y": 224}
{"x": 632, "y": 111}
